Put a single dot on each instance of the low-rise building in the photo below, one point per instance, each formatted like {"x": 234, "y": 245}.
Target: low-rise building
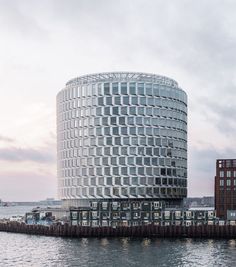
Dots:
{"x": 132, "y": 213}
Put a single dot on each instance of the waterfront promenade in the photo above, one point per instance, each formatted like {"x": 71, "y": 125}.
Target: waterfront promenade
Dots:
{"x": 172, "y": 231}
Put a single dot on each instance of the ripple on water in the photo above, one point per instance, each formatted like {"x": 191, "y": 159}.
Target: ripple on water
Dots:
{"x": 25, "y": 250}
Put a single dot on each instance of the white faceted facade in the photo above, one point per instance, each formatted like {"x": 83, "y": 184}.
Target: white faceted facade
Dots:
{"x": 122, "y": 136}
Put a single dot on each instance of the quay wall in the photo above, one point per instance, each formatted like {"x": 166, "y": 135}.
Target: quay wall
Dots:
{"x": 171, "y": 231}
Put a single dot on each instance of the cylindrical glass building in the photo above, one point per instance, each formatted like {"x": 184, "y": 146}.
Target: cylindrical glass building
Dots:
{"x": 122, "y": 135}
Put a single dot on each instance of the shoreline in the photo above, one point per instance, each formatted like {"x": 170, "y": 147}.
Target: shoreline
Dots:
{"x": 148, "y": 231}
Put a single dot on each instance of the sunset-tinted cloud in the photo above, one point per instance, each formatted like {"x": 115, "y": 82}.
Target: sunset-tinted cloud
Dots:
{"x": 20, "y": 154}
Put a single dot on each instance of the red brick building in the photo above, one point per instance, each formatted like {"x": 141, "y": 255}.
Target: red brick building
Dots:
{"x": 225, "y": 187}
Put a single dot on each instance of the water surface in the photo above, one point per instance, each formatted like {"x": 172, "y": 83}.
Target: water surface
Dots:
{"x": 28, "y": 250}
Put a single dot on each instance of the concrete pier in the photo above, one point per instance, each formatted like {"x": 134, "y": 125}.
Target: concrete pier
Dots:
{"x": 172, "y": 231}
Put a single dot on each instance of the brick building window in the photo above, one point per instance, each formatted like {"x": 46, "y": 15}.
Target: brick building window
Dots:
{"x": 221, "y": 182}
{"x": 221, "y": 174}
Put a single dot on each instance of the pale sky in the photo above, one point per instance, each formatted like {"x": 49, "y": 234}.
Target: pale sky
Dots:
{"x": 45, "y": 43}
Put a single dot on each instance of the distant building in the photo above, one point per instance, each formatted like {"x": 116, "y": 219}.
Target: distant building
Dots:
{"x": 136, "y": 213}
{"x": 225, "y": 187}
{"x": 122, "y": 136}
{"x": 206, "y": 201}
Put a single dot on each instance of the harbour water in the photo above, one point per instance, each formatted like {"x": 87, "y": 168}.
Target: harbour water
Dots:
{"x": 25, "y": 250}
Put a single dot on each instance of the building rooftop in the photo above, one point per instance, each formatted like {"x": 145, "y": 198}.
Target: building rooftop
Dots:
{"x": 121, "y": 76}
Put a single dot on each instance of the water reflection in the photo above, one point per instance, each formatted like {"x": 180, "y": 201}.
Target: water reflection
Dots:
{"x": 146, "y": 242}
{"x": 232, "y": 243}
{"x": 104, "y": 242}
{"x": 125, "y": 242}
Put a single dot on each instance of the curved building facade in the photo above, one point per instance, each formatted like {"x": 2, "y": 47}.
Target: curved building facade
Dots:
{"x": 121, "y": 135}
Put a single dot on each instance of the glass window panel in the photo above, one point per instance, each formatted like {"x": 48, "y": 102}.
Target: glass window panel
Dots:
{"x": 117, "y": 180}
{"x": 105, "y": 121}
{"x": 124, "y": 130}
{"x": 156, "y": 90}
{"x": 126, "y": 180}
{"x": 124, "y": 150}
{"x": 141, "y": 130}
{"x": 132, "y": 130}
{"x": 132, "y": 151}
{"x": 126, "y": 141}
{"x": 101, "y": 180}
{"x": 109, "y": 100}
{"x": 139, "y": 161}
{"x": 98, "y": 111}
{"x": 100, "y": 89}
{"x": 122, "y": 160}
{"x": 149, "y": 111}
{"x": 132, "y": 170}
{"x": 147, "y": 121}
{"x": 143, "y": 141}
{"x": 149, "y": 151}
{"x": 148, "y": 89}
{"x": 107, "y": 191}
{"x": 134, "y": 140}
{"x": 115, "y": 130}
{"x": 115, "y": 111}
{"x": 115, "y": 170}
{"x": 109, "y": 180}
{"x": 124, "y": 88}
{"x": 131, "y": 160}
{"x": 124, "y": 110}
{"x": 150, "y": 101}
{"x": 107, "y": 170}
{"x": 117, "y": 140}
{"x": 141, "y": 111}
{"x": 106, "y": 89}
{"x": 115, "y": 90}
{"x": 132, "y": 111}
{"x": 126, "y": 100}
{"x": 134, "y": 100}
{"x": 122, "y": 120}
{"x": 141, "y": 170}
{"x": 107, "y": 151}
{"x": 132, "y": 88}
{"x": 147, "y": 161}
{"x": 143, "y": 100}
{"x": 93, "y": 181}
{"x": 105, "y": 161}
{"x": 133, "y": 191}
{"x": 141, "y": 88}
{"x": 114, "y": 161}
{"x": 134, "y": 180}
{"x": 139, "y": 120}
{"x": 116, "y": 191}
{"x": 117, "y": 100}
{"x": 113, "y": 121}
{"x": 115, "y": 150}
{"x": 107, "y": 131}
{"x": 124, "y": 170}
{"x": 143, "y": 180}
{"x": 130, "y": 120}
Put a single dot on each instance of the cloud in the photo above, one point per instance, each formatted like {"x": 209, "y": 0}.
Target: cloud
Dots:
{"x": 19, "y": 21}
{"x": 222, "y": 114}
{"x": 27, "y": 154}
{"x": 27, "y": 186}
{"x": 6, "y": 139}
{"x": 191, "y": 41}
{"x": 202, "y": 162}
